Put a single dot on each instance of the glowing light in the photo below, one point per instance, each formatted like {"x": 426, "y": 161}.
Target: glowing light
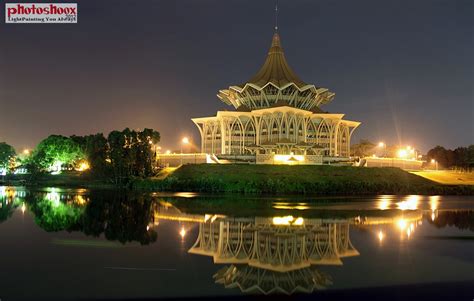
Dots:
{"x": 185, "y": 194}
{"x": 26, "y": 152}
{"x": 381, "y": 235}
{"x": 83, "y": 166}
{"x": 55, "y": 169}
{"x": 381, "y": 144}
{"x": 433, "y": 216}
{"x": 409, "y": 147}
{"x": 54, "y": 197}
{"x": 291, "y": 206}
{"x": 288, "y": 159}
{"x": 147, "y": 227}
{"x": 434, "y": 202}
{"x": 402, "y": 224}
{"x": 383, "y": 204}
{"x": 23, "y": 208}
{"x": 412, "y": 227}
{"x": 185, "y": 140}
{"x": 408, "y": 232}
{"x": 168, "y": 152}
{"x": 288, "y": 220}
{"x": 285, "y": 220}
{"x": 299, "y": 221}
{"x": 433, "y": 161}
{"x": 182, "y": 233}
{"x": 402, "y": 153}
{"x": 80, "y": 200}
{"x": 410, "y": 204}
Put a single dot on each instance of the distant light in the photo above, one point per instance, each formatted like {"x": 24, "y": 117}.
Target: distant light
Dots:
{"x": 182, "y": 233}
{"x": 282, "y": 220}
{"x": 150, "y": 142}
{"x": 168, "y": 152}
{"x": 299, "y": 221}
{"x": 402, "y": 153}
{"x": 402, "y": 224}
{"x": 26, "y": 151}
{"x": 23, "y": 208}
{"x": 383, "y": 204}
{"x": 433, "y": 161}
{"x": 381, "y": 235}
{"x": 411, "y": 203}
{"x": 409, "y": 147}
{"x": 185, "y": 140}
{"x": 83, "y": 166}
{"x": 381, "y": 144}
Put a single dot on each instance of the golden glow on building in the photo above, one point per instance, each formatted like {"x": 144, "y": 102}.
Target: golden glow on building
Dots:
{"x": 276, "y": 115}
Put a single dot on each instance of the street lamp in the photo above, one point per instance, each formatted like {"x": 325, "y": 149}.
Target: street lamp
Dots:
{"x": 382, "y": 145}
{"x": 184, "y": 142}
{"x": 402, "y": 153}
{"x": 433, "y": 161}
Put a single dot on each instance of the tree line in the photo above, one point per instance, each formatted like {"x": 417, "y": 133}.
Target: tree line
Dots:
{"x": 118, "y": 157}
{"x": 460, "y": 158}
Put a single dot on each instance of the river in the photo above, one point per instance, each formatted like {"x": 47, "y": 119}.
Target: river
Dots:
{"x": 78, "y": 243}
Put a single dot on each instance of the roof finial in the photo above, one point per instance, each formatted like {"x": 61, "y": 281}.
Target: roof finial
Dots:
{"x": 276, "y": 15}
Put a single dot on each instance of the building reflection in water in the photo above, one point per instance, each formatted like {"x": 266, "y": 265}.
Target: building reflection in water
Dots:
{"x": 274, "y": 254}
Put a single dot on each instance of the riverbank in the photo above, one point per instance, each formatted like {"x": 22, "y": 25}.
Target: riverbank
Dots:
{"x": 263, "y": 179}
{"x": 66, "y": 180}
{"x": 301, "y": 179}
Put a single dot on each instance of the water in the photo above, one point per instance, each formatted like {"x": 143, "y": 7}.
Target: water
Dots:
{"x": 57, "y": 243}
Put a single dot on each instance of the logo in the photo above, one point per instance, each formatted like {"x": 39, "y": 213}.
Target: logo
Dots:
{"x": 40, "y": 12}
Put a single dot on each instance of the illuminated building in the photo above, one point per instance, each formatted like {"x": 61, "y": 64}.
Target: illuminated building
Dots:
{"x": 276, "y": 113}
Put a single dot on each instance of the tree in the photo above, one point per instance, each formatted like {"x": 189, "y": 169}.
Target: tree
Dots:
{"x": 7, "y": 153}
{"x": 132, "y": 153}
{"x": 95, "y": 149}
{"x": 364, "y": 148}
{"x": 56, "y": 150}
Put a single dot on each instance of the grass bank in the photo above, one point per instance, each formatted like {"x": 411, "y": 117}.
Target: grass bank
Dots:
{"x": 67, "y": 180}
{"x": 304, "y": 179}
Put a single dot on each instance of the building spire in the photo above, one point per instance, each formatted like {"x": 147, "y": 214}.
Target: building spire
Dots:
{"x": 276, "y": 15}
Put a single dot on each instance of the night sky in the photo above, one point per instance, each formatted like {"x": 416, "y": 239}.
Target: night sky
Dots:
{"x": 402, "y": 68}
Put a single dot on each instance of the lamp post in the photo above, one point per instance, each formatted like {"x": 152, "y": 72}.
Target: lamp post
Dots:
{"x": 433, "y": 161}
{"x": 382, "y": 145}
{"x": 184, "y": 142}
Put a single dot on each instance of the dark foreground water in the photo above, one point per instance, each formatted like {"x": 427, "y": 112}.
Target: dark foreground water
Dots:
{"x": 71, "y": 244}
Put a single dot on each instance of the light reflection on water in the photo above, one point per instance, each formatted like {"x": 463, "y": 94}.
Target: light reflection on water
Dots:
{"x": 267, "y": 247}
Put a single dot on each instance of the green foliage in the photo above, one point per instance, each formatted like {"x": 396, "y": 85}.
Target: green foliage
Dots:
{"x": 131, "y": 153}
{"x": 56, "y": 148}
{"x": 117, "y": 215}
{"x": 95, "y": 149}
{"x": 7, "y": 153}
{"x": 54, "y": 215}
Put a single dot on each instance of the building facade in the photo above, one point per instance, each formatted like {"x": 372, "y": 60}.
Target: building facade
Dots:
{"x": 276, "y": 113}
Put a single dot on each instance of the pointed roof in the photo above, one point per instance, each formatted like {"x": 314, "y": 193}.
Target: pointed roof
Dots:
{"x": 276, "y": 69}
